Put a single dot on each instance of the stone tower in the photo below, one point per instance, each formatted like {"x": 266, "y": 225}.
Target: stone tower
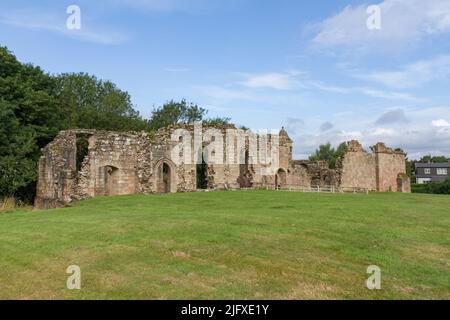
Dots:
{"x": 285, "y": 149}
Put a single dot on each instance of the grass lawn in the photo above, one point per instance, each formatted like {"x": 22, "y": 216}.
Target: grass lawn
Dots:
{"x": 230, "y": 245}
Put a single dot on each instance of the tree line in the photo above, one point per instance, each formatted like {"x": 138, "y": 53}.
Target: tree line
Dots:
{"x": 35, "y": 106}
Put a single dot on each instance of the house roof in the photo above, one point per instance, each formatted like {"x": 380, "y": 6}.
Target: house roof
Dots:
{"x": 433, "y": 165}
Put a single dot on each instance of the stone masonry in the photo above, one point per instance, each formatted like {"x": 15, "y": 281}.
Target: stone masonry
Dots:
{"x": 113, "y": 163}
{"x": 383, "y": 170}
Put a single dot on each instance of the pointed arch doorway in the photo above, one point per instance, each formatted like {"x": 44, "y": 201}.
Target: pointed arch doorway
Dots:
{"x": 280, "y": 179}
{"x": 165, "y": 182}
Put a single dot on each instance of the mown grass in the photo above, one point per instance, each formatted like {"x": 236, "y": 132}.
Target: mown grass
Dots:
{"x": 230, "y": 245}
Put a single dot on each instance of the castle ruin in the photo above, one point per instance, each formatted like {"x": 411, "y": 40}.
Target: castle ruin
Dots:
{"x": 81, "y": 164}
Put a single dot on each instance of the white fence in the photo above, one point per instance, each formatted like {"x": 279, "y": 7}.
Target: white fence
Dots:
{"x": 319, "y": 189}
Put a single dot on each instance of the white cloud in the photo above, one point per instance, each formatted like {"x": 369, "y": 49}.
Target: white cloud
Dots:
{"x": 374, "y": 93}
{"x": 418, "y": 137}
{"x": 176, "y": 70}
{"x": 289, "y": 81}
{"x": 388, "y": 94}
{"x": 39, "y": 20}
{"x": 402, "y": 22}
{"x": 277, "y": 81}
{"x": 330, "y": 88}
{"x": 413, "y": 75}
{"x": 441, "y": 123}
{"x": 415, "y": 140}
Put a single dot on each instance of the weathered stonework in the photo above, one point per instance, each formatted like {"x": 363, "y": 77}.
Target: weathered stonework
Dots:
{"x": 383, "y": 170}
{"x": 139, "y": 163}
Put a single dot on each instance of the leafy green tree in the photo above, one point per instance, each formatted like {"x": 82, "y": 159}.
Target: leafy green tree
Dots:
{"x": 327, "y": 153}
{"x": 35, "y": 106}
{"x": 174, "y": 112}
{"x": 434, "y": 159}
{"x": 17, "y": 155}
{"x": 30, "y": 92}
{"x": 410, "y": 170}
{"x": 90, "y": 103}
{"x": 15, "y": 174}
{"x": 30, "y": 116}
{"x": 218, "y": 121}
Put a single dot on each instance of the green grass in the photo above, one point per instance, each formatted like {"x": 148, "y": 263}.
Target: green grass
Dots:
{"x": 230, "y": 245}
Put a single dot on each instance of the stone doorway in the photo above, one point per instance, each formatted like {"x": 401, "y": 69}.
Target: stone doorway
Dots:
{"x": 202, "y": 175}
{"x": 113, "y": 181}
{"x": 244, "y": 172}
{"x": 108, "y": 181}
{"x": 280, "y": 179}
{"x": 164, "y": 178}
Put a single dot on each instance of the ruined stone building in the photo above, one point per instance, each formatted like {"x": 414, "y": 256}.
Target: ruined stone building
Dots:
{"x": 81, "y": 164}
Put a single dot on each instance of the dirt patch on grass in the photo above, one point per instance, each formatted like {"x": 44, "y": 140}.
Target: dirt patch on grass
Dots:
{"x": 309, "y": 291}
{"x": 179, "y": 254}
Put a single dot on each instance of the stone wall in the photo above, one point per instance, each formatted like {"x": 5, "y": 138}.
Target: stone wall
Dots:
{"x": 389, "y": 165}
{"x": 356, "y": 168}
{"x": 304, "y": 173}
{"x": 403, "y": 183}
{"x": 57, "y": 172}
{"x": 383, "y": 170}
{"x": 138, "y": 162}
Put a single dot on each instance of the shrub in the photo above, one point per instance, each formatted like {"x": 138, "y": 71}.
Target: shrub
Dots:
{"x": 7, "y": 204}
{"x": 434, "y": 188}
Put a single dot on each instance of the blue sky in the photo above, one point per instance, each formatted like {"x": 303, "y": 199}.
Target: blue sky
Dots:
{"x": 311, "y": 66}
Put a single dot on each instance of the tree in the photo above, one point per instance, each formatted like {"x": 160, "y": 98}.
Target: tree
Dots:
{"x": 30, "y": 116}
{"x": 410, "y": 170}
{"x": 327, "y": 153}
{"x": 31, "y": 93}
{"x": 434, "y": 159}
{"x": 174, "y": 112}
{"x": 90, "y": 103}
{"x": 15, "y": 173}
{"x": 218, "y": 121}
{"x": 17, "y": 154}
{"x": 35, "y": 106}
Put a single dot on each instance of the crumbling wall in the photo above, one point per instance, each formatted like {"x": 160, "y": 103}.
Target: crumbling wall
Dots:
{"x": 112, "y": 164}
{"x": 356, "y": 168}
{"x": 384, "y": 170}
{"x": 57, "y": 171}
{"x": 220, "y": 175}
{"x": 321, "y": 175}
{"x": 128, "y": 163}
{"x": 285, "y": 149}
{"x": 298, "y": 174}
{"x": 144, "y": 163}
{"x": 403, "y": 183}
{"x": 389, "y": 164}
{"x": 305, "y": 173}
